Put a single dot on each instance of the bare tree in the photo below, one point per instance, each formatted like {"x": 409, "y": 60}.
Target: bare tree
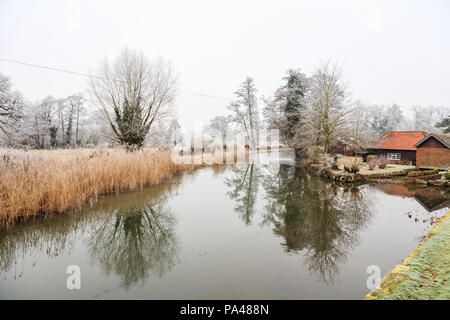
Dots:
{"x": 131, "y": 94}
{"x": 245, "y": 109}
{"x": 359, "y": 131}
{"x": 427, "y": 118}
{"x": 328, "y": 106}
{"x": 11, "y": 106}
{"x": 40, "y": 128}
{"x": 219, "y": 124}
{"x": 76, "y": 102}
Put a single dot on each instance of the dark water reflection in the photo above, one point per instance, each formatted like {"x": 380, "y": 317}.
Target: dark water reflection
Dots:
{"x": 134, "y": 242}
{"x": 129, "y": 236}
{"x": 320, "y": 218}
{"x": 244, "y": 183}
{"x": 256, "y": 230}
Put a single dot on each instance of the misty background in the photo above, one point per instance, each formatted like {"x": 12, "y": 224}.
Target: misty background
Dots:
{"x": 391, "y": 52}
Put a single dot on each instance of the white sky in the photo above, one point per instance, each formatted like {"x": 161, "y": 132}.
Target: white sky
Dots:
{"x": 391, "y": 51}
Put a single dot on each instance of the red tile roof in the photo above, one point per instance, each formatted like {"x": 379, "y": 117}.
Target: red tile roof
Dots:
{"x": 443, "y": 138}
{"x": 398, "y": 140}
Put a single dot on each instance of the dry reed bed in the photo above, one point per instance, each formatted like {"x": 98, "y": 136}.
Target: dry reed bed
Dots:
{"x": 51, "y": 182}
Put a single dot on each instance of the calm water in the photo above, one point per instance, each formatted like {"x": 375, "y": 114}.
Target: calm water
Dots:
{"x": 259, "y": 230}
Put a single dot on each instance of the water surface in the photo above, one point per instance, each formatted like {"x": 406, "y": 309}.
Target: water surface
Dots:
{"x": 259, "y": 230}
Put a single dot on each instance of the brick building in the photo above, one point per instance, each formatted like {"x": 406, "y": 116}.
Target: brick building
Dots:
{"x": 433, "y": 151}
{"x": 398, "y": 146}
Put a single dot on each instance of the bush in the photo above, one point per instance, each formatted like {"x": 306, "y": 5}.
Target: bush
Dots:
{"x": 382, "y": 161}
{"x": 352, "y": 166}
{"x": 372, "y": 164}
{"x": 422, "y": 173}
{"x": 371, "y": 157}
{"x": 413, "y": 174}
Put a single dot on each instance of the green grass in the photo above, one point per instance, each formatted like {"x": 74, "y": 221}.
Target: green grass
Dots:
{"x": 425, "y": 273}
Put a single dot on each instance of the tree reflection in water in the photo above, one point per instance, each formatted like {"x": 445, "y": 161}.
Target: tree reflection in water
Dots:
{"x": 135, "y": 242}
{"x": 244, "y": 185}
{"x": 131, "y": 235}
{"x": 314, "y": 216}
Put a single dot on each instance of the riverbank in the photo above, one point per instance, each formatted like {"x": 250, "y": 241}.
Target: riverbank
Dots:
{"x": 46, "y": 182}
{"x": 397, "y": 173}
{"x": 425, "y": 272}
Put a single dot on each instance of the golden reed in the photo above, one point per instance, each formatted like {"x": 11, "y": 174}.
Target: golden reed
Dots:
{"x": 52, "y": 182}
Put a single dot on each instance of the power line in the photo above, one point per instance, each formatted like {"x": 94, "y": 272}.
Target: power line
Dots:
{"x": 50, "y": 68}
{"x": 96, "y": 77}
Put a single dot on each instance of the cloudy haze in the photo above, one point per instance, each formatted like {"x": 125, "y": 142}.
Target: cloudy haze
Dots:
{"x": 391, "y": 51}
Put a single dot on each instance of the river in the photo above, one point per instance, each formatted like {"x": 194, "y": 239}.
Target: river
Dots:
{"x": 259, "y": 230}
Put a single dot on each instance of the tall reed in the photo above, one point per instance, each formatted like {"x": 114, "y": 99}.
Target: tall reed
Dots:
{"x": 52, "y": 182}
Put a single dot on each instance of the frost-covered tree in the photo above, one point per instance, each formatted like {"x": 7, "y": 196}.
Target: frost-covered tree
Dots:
{"x": 286, "y": 111}
{"x": 173, "y": 133}
{"x": 39, "y": 128}
{"x": 359, "y": 131}
{"x": 444, "y": 124}
{"x": 328, "y": 107}
{"x": 245, "y": 110}
{"x": 378, "y": 119}
{"x": 52, "y": 122}
{"x": 427, "y": 118}
{"x": 75, "y": 115}
{"x": 395, "y": 118}
{"x": 221, "y": 124}
{"x": 131, "y": 94}
{"x": 11, "y": 107}
{"x": 387, "y": 118}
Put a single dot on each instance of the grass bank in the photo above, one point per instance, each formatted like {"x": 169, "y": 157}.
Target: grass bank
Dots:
{"x": 52, "y": 182}
{"x": 425, "y": 272}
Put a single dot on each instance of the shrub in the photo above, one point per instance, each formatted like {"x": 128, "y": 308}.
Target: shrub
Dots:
{"x": 447, "y": 175}
{"x": 422, "y": 173}
{"x": 371, "y": 157}
{"x": 382, "y": 161}
{"x": 352, "y": 166}
{"x": 372, "y": 164}
{"x": 413, "y": 174}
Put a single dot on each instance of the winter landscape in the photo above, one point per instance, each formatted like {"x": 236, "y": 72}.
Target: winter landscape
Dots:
{"x": 239, "y": 151}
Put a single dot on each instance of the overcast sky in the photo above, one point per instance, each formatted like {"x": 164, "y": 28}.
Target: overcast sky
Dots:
{"x": 391, "y": 51}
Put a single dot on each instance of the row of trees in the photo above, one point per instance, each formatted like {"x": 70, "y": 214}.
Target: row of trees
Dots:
{"x": 128, "y": 99}
{"x": 316, "y": 110}
{"x": 133, "y": 97}
{"x": 47, "y": 123}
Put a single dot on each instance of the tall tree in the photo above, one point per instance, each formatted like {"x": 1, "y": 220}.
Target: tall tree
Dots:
{"x": 328, "y": 105}
{"x": 359, "y": 131}
{"x": 395, "y": 118}
{"x": 286, "y": 111}
{"x": 173, "y": 136}
{"x": 131, "y": 94}
{"x": 11, "y": 106}
{"x": 39, "y": 129}
{"x": 69, "y": 125}
{"x": 219, "y": 124}
{"x": 428, "y": 118}
{"x": 245, "y": 110}
{"x": 76, "y": 102}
